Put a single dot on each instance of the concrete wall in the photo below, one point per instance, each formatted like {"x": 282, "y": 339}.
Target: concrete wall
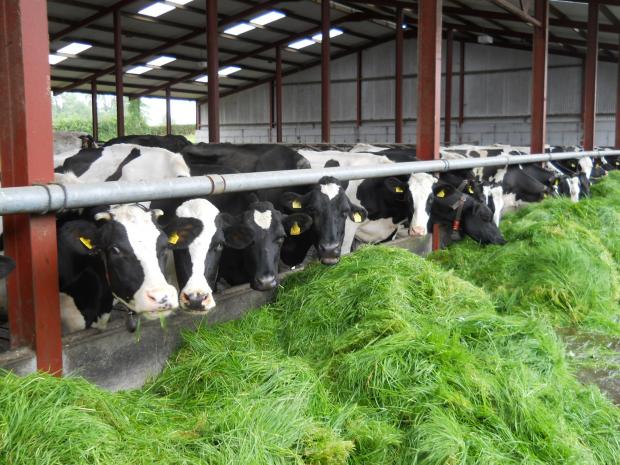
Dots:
{"x": 497, "y": 100}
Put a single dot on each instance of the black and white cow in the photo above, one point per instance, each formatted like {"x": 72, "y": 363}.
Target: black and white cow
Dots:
{"x": 117, "y": 255}
{"x": 122, "y": 161}
{"x": 172, "y": 143}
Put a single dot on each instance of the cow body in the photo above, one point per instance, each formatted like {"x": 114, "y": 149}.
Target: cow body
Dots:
{"x": 172, "y": 143}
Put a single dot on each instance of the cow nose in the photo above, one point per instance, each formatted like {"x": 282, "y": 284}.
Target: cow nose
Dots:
{"x": 417, "y": 231}
{"x": 265, "y": 283}
{"x": 329, "y": 250}
{"x": 197, "y": 301}
{"x": 161, "y": 298}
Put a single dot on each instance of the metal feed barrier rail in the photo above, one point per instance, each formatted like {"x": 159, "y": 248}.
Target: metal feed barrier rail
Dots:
{"x": 55, "y": 197}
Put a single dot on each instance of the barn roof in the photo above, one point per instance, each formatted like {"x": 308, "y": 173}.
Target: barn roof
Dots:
{"x": 179, "y": 34}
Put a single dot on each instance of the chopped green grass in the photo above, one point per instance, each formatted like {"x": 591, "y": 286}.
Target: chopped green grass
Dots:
{"x": 386, "y": 358}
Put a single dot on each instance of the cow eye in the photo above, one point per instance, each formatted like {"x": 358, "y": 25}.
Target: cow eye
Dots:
{"x": 219, "y": 247}
{"x": 115, "y": 250}
{"x": 279, "y": 240}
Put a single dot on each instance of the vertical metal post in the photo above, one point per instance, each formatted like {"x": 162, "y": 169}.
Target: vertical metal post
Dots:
{"x": 94, "y": 110}
{"x": 589, "y": 102}
{"x": 118, "y": 73}
{"x": 325, "y": 116}
{"x": 358, "y": 83}
{"x": 198, "y": 115}
{"x": 447, "y": 133}
{"x": 429, "y": 85}
{"x": 540, "y": 56}
{"x": 398, "y": 78}
{"x": 25, "y": 148}
{"x": 618, "y": 104}
{"x": 462, "y": 91}
{"x": 213, "y": 63}
{"x": 278, "y": 94}
{"x": 168, "y": 113}
{"x": 271, "y": 104}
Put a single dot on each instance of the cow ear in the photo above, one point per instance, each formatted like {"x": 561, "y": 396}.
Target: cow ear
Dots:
{"x": 294, "y": 202}
{"x": 395, "y": 185}
{"x": 251, "y": 198}
{"x": 358, "y": 214}
{"x": 443, "y": 190}
{"x": 6, "y": 266}
{"x": 80, "y": 236}
{"x": 236, "y": 234}
{"x": 181, "y": 232}
{"x": 296, "y": 223}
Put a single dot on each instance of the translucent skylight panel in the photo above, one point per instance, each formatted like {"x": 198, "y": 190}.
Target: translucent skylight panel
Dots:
{"x": 332, "y": 33}
{"x": 161, "y": 61}
{"x": 139, "y": 70}
{"x": 239, "y": 29}
{"x": 180, "y": 2}
{"x": 203, "y": 78}
{"x": 55, "y": 59}
{"x": 228, "y": 70}
{"x": 301, "y": 43}
{"x": 267, "y": 18}
{"x": 74, "y": 48}
{"x": 156, "y": 9}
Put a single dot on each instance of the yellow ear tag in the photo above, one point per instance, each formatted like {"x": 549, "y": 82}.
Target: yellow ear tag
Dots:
{"x": 441, "y": 194}
{"x": 470, "y": 190}
{"x": 399, "y": 190}
{"x": 295, "y": 229}
{"x": 173, "y": 239}
{"x": 296, "y": 204}
{"x": 357, "y": 218}
{"x": 557, "y": 182}
{"x": 87, "y": 243}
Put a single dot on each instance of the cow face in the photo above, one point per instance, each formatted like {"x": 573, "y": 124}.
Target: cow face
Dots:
{"x": 269, "y": 228}
{"x": 197, "y": 235}
{"x": 6, "y": 266}
{"x": 583, "y": 185}
{"x": 477, "y": 219}
{"x": 329, "y": 207}
{"x": 133, "y": 249}
{"x": 420, "y": 197}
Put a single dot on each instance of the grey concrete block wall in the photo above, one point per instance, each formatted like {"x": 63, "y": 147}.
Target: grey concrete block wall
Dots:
{"x": 497, "y": 100}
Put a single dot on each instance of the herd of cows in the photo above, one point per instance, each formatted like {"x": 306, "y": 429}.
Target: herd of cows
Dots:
{"x": 116, "y": 255}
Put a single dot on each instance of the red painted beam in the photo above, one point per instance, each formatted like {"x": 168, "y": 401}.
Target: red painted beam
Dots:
{"x": 198, "y": 117}
{"x": 325, "y": 114}
{"x": 94, "y": 110}
{"x": 271, "y": 103}
{"x": 589, "y": 110}
{"x": 540, "y": 58}
{"x": 618, "y": 107}
{"x": 168, "y": 113}
{"x": 462, "y": 89}
{"x": 213, "y": 63}
{"x": 429, "y": 85}
{"x": 25, "y": 148}
{"x": 516, "y": 11}
{"x": 358, "y": 91}
{"x": 398, "y": 77}
{"x": 448, "y": 92}
{"x": 118, "y": 73}
{"x": 278, "y": 92}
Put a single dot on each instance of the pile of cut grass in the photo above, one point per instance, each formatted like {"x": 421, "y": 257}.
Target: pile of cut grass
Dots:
{"x": 383, "y": 359}
{"x": 562, "y": 261}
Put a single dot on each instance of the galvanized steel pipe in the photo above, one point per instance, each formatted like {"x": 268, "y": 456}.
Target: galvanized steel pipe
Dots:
{"x": 54, "y": 197}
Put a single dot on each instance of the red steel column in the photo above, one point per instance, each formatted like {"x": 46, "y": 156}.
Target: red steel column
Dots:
{"x": 447, "y": 133}
{"x": 429, "y": 85}
{"x": 398, "y": 80}
{"x": 358, "y": 83}
{"x": 93, "y": 106}
{"x": 325, "y": 116}
{"x": 25, "y": 147}
{"x": 589, "y": 97}
{"x": 540, "y": 56}
{"x": 118, "y": 72}
{"x": 278, "y": 94}
{"x": 213, "y": 63}
{"x": 198, "y": 115}
{"x": 168, "y": 113}
{"x": 462, "y": 91}
{"x": 618, "y": 105}
{"x": 271, "y": 104}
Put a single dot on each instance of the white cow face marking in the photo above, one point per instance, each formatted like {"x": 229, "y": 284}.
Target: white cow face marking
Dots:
{"x": 330, "y": 190}
{"x": 573, "y": 186}
{"x": 263, "y": 219}
{"x": 420, "y": 189}
{"x": 134, "y": 247}
{"x": 586, "y": 165}
{"x": 197, "y": 293}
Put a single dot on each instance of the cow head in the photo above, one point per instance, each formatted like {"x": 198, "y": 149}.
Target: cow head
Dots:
{"x": 477, "y": 219}
{"x": 329, "y": 207}
{"x": 269, "y": 228}
{"x": 197, "y": 235}
{"x": 6, "y": 266}
{"x": 419, "y": 194}
{"x": 132, "y": 247}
